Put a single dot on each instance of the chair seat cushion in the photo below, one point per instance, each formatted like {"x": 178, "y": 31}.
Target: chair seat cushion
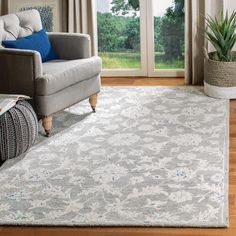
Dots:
{"x": 61, "y": 74}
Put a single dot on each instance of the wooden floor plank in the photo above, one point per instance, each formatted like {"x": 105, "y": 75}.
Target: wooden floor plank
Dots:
{"x": 128, "y": 231}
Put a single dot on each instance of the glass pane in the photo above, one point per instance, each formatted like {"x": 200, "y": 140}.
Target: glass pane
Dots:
{"x": 119, "y": 33}
{"x": 169, "y": 34}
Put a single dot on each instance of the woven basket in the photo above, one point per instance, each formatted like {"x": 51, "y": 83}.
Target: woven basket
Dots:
{"x": 218, "y": 73}
{"x": 18, "y": 130}
{"x": 219, "y": 78}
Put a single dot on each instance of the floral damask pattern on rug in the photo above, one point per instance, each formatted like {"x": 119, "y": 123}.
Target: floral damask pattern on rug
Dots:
{"x": 150, "y": 156}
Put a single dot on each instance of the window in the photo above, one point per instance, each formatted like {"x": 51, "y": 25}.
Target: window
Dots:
{"x": 141, "y": 37}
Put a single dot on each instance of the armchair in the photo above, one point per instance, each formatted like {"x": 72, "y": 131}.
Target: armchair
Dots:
{"x": 53, "y": 85}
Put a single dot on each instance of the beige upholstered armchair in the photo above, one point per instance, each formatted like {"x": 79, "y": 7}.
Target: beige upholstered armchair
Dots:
{"x": 53, "y": 85}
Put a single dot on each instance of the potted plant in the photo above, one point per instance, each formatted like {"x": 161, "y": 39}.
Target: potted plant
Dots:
{"x": 220, "y": 66}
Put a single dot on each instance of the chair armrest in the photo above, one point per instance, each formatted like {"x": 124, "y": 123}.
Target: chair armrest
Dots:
{"x": 71, "y": 46}
{"x": 18, "y": 71}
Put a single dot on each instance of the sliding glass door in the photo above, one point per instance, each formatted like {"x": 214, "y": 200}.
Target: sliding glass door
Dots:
{"x": 141, "y": 37}
{"x": 121, "y": 37}
{"x": 165, "y": 35}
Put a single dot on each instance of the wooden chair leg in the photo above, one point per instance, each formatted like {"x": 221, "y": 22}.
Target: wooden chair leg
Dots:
{"x": 47, "y": 125}
{"x": 93, "y": 102}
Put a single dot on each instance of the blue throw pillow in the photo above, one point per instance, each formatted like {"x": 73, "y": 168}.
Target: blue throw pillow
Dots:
{"x": 38, "y": 41}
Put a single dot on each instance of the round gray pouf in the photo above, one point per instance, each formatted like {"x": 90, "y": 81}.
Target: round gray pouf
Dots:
{"x": 18, "y": 130}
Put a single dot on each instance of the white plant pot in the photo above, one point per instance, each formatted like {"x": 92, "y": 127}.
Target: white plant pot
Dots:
{"x": 219, "y": 92}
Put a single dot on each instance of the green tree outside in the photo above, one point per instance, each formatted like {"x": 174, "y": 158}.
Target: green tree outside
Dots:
{"x": 119, "y": 35}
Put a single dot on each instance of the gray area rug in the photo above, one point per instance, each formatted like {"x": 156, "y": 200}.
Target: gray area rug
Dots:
{"x": 150, "y": 156}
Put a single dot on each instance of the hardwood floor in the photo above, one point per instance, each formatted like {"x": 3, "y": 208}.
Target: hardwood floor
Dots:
{"x": 63, "y": 231}
{"x": 142, "y": 81}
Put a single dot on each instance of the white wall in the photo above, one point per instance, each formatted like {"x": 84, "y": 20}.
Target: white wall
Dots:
{"x": 230, "y": 5}
{"x": 213, "y": 6}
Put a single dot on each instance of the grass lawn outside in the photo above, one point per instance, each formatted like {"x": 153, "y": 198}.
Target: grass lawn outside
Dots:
{"x": 132, "y": 60}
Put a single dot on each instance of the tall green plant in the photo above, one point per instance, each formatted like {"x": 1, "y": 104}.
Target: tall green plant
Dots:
{"x": 221, "y": 33}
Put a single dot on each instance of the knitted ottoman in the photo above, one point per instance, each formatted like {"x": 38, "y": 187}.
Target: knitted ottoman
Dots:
{"x": 18, "y": 130}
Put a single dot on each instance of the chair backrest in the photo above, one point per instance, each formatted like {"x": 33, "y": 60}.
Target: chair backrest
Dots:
{"x": 20, "y": 24}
